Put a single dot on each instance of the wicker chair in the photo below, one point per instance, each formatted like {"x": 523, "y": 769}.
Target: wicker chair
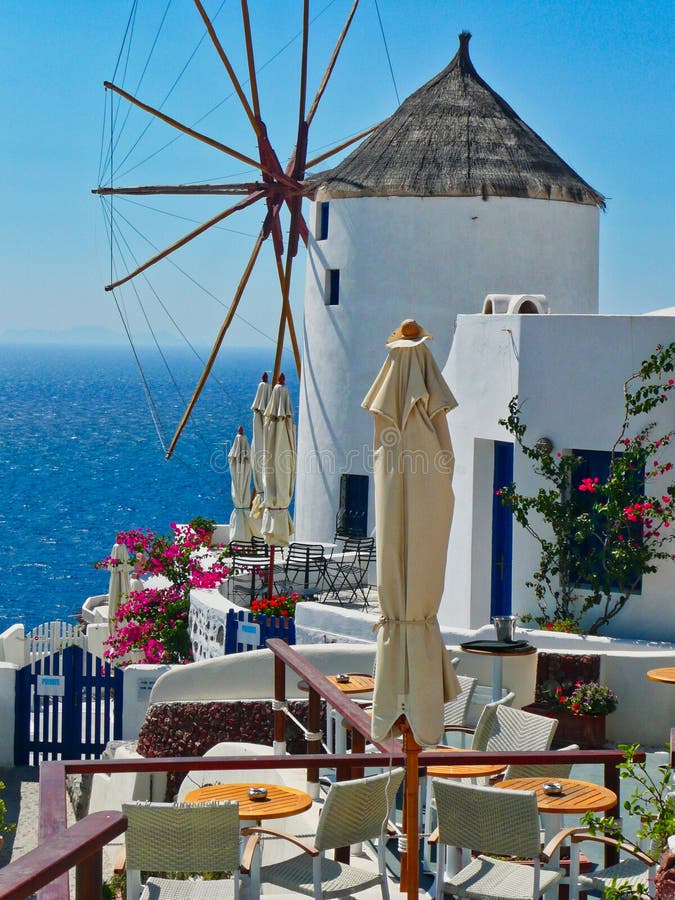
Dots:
{"x": 490, "y": 821}
{"x": 353, "y": 811}
{"x": 555, "y": 770}
{"x": 502, "y": 728}
{"x": 637, "y": 869}
{"x": 195, "y": 837}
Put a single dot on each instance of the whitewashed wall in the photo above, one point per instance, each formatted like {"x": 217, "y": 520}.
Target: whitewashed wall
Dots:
{"x": 569, "y": 373}
{"x": 427, "y": 258}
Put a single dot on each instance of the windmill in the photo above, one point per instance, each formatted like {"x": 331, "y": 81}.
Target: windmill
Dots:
{"x": 280, "y": 188}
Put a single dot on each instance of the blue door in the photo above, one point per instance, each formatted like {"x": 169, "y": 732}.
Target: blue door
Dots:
{"x": 502, "y": 533}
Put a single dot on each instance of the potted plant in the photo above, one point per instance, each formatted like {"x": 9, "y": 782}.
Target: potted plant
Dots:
{"x": 581, "y": 713}
{"x": 204, "y": 528}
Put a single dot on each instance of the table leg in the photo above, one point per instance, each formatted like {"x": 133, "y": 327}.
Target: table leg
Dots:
{"x": 497, "y": 668}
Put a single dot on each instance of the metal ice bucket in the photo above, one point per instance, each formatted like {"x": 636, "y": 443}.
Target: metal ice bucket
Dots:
{"x": 505, "y": 626}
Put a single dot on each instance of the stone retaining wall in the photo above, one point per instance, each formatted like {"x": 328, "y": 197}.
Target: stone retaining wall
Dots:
{"x": 191, "y": 728}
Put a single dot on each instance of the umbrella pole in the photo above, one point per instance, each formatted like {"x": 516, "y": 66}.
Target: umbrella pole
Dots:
{"x": 410, "y": 861}
{"x": 270, "y": 574}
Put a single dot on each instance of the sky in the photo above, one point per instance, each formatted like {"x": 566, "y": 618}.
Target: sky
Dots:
{"x": 594, "y": 79}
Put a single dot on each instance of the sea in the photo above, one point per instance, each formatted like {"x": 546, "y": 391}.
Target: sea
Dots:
{"x": 83, "y": 432}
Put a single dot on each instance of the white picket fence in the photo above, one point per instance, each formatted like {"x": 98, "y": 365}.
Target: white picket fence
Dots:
{"x": 50, "y": 637}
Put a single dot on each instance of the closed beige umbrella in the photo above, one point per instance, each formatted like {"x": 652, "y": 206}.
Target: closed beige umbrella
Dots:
{"x": 259, "y": 405}
{"x": 239, "y": 459}
{"x": 278, "y": 471}
{"x": 119, "y": 584}
{"x": 413, "y": 466}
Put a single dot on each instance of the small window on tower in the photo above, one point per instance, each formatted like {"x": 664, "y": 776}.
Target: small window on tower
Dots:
{"x": 323, "y": 221}
{"x": 332, "y": 287}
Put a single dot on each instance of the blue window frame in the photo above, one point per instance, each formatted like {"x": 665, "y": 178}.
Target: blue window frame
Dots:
{"x": 595, "y": 464}
{"x": 324, "y": 210}
{"x": 332, "y": 292}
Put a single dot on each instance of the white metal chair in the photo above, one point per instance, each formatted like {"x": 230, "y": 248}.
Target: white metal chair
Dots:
{"x": 493, "y": 823}
{"x": 354, "y": 811}
{"x": 455, "y": 712}
{"x": 188, "y": 838}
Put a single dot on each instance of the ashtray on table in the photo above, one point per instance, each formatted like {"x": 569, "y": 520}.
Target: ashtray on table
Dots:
{"x": 257, "y": 793}
{"x": 552, "y": 788}
{"x": 342, "y": 679}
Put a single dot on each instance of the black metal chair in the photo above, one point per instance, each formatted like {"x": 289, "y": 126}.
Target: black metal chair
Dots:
{"x": 347, "y": 570}
{"x": 303, "y": 570}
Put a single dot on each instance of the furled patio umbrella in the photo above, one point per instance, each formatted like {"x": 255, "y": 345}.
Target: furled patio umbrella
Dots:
{"x": 278, "y": 472}
{"x": 259, "y": 405}
{"x": 413, "y": 465}
{"x": 239, "y": 459}
{"x": 119, "y": 584}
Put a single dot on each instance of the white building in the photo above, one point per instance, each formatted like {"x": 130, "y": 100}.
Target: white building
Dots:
{"x": 568, "y": 372}
{"x": 452, "y": 198}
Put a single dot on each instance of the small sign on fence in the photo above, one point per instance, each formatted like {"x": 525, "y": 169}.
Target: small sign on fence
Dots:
{"x": 50, "y": 686}
{"x": 248, "y": 634}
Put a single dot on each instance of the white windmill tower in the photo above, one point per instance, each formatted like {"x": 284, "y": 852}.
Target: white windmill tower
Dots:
{"x": 452, "y": 198}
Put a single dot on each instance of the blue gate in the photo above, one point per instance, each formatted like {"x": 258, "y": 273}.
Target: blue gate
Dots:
{"x": 243, "y": 633}
{"x": 68, "y": 705}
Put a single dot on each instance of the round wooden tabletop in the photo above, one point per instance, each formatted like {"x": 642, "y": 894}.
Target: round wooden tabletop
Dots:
{"x": 281, "y": 801}
{"x": 575, "y": 796}
{"x": 357, "y": 684}
{"x": 666, "y": 676}
{"x": 464, "y": 770}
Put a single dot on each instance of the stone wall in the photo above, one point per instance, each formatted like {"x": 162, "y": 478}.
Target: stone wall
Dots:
{"x": 192, "y": 728}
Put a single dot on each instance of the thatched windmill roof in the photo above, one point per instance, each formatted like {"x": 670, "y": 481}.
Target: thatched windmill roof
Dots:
{"x": 455, "y": 137}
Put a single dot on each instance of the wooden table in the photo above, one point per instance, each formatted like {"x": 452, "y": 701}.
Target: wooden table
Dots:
{"x": 576, "y": 798}
{"x": 665, "y": 676}
{"x": 281, "y": 801}
{"x": 358, "y": 683}
{"x": 498, "y": 662}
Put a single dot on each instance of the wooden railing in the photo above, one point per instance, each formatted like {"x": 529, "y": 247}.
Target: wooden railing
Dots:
{"x": 60, "y": 849}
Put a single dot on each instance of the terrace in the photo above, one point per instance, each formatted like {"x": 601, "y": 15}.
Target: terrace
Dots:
{"x": 81, "y": 846}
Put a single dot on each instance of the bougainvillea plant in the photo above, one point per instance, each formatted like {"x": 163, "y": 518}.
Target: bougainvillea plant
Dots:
{"x": 276, "y": 605}
{"x": 602, "y": 535}
{"x": 151, "y": 626}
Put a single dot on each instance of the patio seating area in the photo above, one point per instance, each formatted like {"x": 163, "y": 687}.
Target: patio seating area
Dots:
{"x": 323, "y": 781}
{"x": 336, "y": 572}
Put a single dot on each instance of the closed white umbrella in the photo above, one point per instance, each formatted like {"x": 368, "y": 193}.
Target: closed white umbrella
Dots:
{"x": 239, "y": 459}
{"x": 279, "y": 471}
{"x": 119, "y": 584}
{"x": 259, "y": 405}
{"x": 413, "y": 466}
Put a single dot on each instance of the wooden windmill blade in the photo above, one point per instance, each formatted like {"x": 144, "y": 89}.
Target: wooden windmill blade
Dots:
{"x": 281, "y": 188}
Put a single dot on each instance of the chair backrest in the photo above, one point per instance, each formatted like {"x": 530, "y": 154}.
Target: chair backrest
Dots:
{"x": 556, "y": 770}
{"x": 502, "y": 728}
{"x": 249, "y": 548}
{"x": 302, "y": 555}
{"x": 455, "y": 711}
{"x": 488, "y": 820}
{"x": 196, "y": 778}
{"x": 357, "y": 810}
{"x": 182, "y": 837}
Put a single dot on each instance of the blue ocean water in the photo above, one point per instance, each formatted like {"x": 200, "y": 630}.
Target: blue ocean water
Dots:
{"x": 80, "y": 459}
